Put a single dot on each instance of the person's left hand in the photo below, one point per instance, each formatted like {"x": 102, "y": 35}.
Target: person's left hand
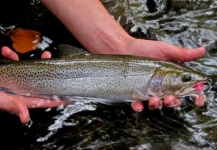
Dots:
{"x": 19, "y": 105}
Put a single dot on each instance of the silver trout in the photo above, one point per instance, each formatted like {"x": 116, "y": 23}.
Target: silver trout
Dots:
{"x": 112, "y": 77}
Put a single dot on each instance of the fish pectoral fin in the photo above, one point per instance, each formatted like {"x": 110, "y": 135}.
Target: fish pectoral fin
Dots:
{"x": 139, "y": 96}
{"x": 66, "y": 50}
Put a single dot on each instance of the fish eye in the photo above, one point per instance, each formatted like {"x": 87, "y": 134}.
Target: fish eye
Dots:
{"x": 186, "y": 78}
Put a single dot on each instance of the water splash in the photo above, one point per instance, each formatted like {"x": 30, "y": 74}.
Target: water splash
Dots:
{"x": 59, "y": 120}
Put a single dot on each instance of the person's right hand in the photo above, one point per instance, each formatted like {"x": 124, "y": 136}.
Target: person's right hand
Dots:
{"x": 19, "y": 105}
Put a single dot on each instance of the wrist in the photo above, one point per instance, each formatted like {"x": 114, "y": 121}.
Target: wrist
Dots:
{"x": 104, "y": 42}
{"x": 98, "y": 32}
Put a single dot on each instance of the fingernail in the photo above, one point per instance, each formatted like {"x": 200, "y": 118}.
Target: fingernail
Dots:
{"x": 200, "y": 101}
{"x": 28, "y": 124}
{"x": 137, "y": 106}
{"x": 139, "y": 109}
{"x": 154, "y": 103}
{"x": 20, "y": 115}
{"x": 171, "y": 104}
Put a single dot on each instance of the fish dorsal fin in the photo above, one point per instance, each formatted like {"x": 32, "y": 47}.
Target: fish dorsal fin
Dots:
{"x": 137, "y": 95}
{"x": 66, "y": 50}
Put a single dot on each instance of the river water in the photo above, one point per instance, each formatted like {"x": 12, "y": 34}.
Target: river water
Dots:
{"x": 186, "y": 23}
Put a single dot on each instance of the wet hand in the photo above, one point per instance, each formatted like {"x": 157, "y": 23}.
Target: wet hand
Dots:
{"x": 162, "y": 50}
{"x": 169, "y": 101}
{"x": 19, "y": 105}
{"x": 8, "y": 53}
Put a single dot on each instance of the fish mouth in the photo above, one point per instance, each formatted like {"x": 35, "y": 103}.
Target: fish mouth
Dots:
{"x": 192, "y": 89}
{"x": 203, "y": 85}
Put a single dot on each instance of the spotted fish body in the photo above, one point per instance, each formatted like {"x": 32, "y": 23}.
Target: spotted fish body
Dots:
{"x": 113, "y": 77}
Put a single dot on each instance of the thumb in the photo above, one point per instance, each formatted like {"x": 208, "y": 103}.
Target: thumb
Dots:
{"x": 183, "y": 54}
{"x": 193, "y": 54}
{"x": 21, "y": 111}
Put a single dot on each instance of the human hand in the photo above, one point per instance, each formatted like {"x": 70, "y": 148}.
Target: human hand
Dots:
{"x": 164, "y": 51}
{"x": 19, "y": 105}
{"x": 8, "y": 53}
{"x": 169, "y": 101}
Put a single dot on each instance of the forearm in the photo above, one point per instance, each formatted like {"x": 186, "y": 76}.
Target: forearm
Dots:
{"x": 91, "y": 24}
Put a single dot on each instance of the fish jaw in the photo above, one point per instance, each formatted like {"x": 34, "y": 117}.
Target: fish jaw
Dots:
{"x": 193, "y": 89}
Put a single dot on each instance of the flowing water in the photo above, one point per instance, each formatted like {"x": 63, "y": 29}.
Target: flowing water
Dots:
{"x": 186, "y": 23}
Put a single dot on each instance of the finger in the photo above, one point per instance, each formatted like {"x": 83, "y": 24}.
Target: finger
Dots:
{"x": 33, "y": 102}
{"x": 183, "y": 54}
{"x": 192, "y": 54}
{"x": 8, "y": 53}
{"x": 200, "y": 100}
{"x": 154, "y": 103}
{"x": 137, "y": 106}
{"x": 20, "y": 110}
{"x": 40, "y": 102}
{"x": 171, "y": 101}
{"x": 178, "y": 102}
{"x": 46, "y": 55}
{"x": 9, "y": 104}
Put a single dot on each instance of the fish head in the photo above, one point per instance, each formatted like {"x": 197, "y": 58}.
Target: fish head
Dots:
{"x": 179, "y": 82}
